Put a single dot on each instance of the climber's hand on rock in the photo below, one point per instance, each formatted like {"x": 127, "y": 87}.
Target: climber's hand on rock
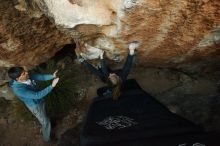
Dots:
{"x": 102, "y": 54}
{"x": 132, "y": 46}
{"x": 81, "y": 57}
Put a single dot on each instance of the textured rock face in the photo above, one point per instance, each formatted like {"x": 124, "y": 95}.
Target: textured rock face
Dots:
{"x": 4, "y": 88}
{"x": 171, "y": 33}
{"x": 25, "y": 40}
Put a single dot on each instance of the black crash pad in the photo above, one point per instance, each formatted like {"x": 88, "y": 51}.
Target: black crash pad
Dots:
{"x": 135, "y": 119}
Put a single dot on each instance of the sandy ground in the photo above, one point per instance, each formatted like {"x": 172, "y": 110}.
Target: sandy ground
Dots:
{"x": 193, "y": 98}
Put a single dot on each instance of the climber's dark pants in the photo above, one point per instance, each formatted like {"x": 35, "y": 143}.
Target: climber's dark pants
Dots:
{"x": 103, "y": 71}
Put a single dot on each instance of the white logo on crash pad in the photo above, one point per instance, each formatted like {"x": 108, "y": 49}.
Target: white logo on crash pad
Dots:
{"x": 117, "y": 122}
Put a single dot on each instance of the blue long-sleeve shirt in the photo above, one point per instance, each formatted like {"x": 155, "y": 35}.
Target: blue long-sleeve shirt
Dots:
{"x": 29, "y": 94}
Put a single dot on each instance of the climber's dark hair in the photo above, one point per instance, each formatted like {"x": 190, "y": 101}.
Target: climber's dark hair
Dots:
{"x": 15, "y": 72}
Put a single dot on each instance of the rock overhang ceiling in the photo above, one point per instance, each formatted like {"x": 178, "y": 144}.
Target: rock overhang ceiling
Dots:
{"x": 173, "y": 33}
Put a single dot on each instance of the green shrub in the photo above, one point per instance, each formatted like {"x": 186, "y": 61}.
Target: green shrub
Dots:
{"x": 64, "y": 95}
